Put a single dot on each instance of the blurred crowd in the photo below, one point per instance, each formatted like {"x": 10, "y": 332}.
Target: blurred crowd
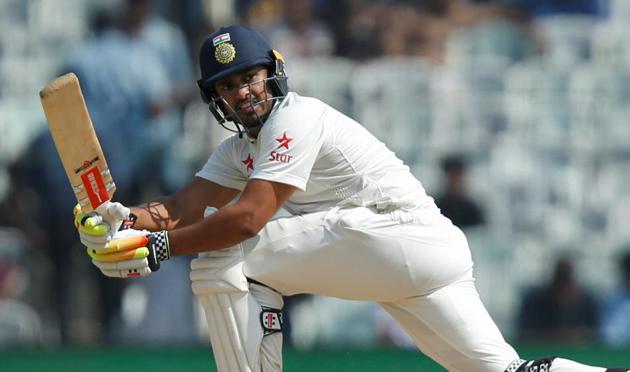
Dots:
{"x": 136, "y": 60}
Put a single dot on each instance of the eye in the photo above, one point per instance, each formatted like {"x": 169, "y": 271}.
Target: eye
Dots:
{"x": 224, "y": 87}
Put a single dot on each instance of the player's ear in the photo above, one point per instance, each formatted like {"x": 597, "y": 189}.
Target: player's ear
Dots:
{"x": 206, "y": 94}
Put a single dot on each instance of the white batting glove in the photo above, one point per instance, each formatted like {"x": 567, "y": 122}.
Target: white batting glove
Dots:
{"x": 132, "y": 253}
{"x": 98, "y": 227}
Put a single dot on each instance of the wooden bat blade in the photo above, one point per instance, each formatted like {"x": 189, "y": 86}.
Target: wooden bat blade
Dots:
{"x": 76, "y": 142}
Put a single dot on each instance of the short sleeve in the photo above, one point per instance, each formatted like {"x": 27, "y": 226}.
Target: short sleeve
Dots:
{"x": 289, "y": 148}
{"x": 221, "y": 167}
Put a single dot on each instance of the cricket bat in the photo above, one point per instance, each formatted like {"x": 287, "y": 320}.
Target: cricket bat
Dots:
{"x": 76, "y": 142}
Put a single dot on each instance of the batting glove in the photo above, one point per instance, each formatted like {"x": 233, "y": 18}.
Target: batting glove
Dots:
{"x": 132, "y": 253}
{"x": 98, "y": 227}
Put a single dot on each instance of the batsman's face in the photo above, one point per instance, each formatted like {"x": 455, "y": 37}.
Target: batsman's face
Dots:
{"x": 247, "y": 95}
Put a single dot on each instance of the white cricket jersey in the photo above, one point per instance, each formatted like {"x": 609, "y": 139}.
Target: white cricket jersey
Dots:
{"x": 330, "y": 158}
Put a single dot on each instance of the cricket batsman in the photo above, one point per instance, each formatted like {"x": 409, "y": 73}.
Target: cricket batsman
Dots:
{"x": 361, "y": 227}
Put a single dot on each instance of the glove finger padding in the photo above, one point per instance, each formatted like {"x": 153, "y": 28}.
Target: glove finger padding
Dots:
{"x": 131, "y": 254}
{"x": 120, "y": 241}
{"x": 125, "y": 256}
{"x": 124, "y": 244}
{"x": 97, "y": 228}
{"x": 91, "y": 223}
{"x": 96, "y": 242}
{"x": 93, "y": 231}
{"x": 143, "y": 238}
{"x": 124, "y": 265}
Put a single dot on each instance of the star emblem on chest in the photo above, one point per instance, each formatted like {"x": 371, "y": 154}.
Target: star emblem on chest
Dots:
{"x": 249, "y": 162}
{"x": 284, "y": 141}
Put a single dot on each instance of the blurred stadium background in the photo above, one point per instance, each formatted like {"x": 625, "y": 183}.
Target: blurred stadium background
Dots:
{"x": 530, "y": 98}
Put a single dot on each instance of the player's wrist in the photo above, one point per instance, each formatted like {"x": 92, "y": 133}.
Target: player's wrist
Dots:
{"x": 159, "y": 249}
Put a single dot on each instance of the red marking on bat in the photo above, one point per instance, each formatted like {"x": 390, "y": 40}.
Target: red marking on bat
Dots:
{"x": 94, "y": 187}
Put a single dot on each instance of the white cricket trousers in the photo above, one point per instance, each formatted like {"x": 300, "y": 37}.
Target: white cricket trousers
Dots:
{"x": 417, "y": 265}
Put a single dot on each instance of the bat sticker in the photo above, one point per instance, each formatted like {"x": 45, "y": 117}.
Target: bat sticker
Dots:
{"x": 95, "y": 187}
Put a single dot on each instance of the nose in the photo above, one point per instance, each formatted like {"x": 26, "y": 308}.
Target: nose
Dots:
{"x": 243, "y": 91}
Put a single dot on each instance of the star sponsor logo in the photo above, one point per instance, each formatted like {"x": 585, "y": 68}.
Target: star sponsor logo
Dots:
{"x": 249, "y": 162}
{"x": 284, "y": 141}
{"x": 282, "y": 158}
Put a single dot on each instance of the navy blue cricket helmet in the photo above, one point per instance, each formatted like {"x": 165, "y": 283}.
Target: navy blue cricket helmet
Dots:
{"x": 234, "y": 49}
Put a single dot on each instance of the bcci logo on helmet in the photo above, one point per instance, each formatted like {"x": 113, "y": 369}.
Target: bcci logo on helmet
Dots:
{"x": 225, "y": 53}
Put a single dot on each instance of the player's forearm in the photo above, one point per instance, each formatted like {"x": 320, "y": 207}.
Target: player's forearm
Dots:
{"x": 153, "y": 216}
{"x": 225, "y": 228}
{"x": 162, "y": 214}
{"x": 184, "y": 207}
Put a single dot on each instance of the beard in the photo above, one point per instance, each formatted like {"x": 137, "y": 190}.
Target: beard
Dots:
{"x": 253, "y": 113}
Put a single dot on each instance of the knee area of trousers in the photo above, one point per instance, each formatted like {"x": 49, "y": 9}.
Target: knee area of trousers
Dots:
{"x": 538, "y": 365}
{"x": 265, "y": 296}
